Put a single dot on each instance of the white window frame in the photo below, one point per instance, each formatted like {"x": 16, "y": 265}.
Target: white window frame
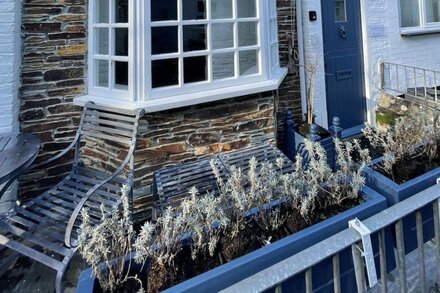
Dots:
{"x": 424, "y": 27}
{"x": 141, "y": 95}
{"x": 92, "y": 56}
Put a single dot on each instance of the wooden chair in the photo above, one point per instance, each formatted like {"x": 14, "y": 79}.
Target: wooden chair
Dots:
{"x": 45, "y": 229}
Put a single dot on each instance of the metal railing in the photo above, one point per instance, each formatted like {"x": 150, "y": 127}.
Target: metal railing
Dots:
{"x": 418, "y": 84}
{"x": 303, "y": 262}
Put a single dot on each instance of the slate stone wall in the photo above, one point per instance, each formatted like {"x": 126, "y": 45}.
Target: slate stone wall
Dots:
{"x": 54, "y": 72}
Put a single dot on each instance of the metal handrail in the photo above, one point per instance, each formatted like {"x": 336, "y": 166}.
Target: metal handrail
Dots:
{"x": 418, "y": 83}
{"x": 274, "y": 276}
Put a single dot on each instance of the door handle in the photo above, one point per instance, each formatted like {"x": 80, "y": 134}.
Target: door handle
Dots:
{"x": 342, "y": 32}
{"x": 344, "y": 74}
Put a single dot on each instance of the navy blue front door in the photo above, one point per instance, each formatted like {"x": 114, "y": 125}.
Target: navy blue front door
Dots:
{"x": 344, "y": 62}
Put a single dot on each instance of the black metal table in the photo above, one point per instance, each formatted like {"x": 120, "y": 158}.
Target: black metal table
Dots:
{"x": 17, "y": 152}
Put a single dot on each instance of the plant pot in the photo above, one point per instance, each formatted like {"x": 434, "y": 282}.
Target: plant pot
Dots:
{"x": 249, "y": 264}
{"x": 395, "y": 193}
{"x": 295, "y": 134}
{"x": 88, "y": 284}
{"x": 325, "y": 139}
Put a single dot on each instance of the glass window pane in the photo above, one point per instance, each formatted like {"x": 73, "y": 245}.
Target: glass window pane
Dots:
{"x": 194, "y": 37}
{"x": 163, "y": 10}
{"x": 101, "y": 41}
{"x": 164, "y": 39}
{"x": 165, "y": 72}
{"x": 102, "y": 73}
{"x": 194, "y": 9}
{"x": 121, "y": 41}
{"x": 222, "y": 65}
{"x": 249, "y": 62}
{"x": 221, "y": 9}
{"x": 409, "y": 13}
{"x": 194, "y": 69}
{"x": 246, "y": 8}
{"x": 121, "y": 11}
{"x": 340, "y": 12}
{"x": 247, "y": 33}
{"x": 222, "y": 35}
{"x": 433, "y": 10}
{"x": 102, "y": 11}
{"x": 121, "y": 75}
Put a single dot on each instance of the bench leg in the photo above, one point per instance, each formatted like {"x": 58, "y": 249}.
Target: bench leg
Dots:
{"x": 60, "y": 275}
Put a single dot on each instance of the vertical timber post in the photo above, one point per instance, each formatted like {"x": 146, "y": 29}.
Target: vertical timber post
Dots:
{"x": 314, "y": 136}
{"x": 336, "y": 131}
{"x": 289, "y": 136}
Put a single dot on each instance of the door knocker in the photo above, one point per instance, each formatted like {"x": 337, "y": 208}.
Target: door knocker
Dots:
{"x": 342, "y": 32}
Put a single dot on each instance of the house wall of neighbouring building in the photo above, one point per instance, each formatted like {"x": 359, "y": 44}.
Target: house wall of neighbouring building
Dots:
{"x": 10, "y": 46}
{"x": 314, "y": 51}
{"x": 54, "y": 73}
{"x": 381, "y": 42}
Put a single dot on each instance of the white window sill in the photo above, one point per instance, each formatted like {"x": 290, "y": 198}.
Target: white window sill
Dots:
{"x": 419, "y": 31}
{"x": 156, "y": 105}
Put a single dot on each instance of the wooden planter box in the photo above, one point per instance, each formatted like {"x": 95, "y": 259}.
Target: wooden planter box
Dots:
{"x": 295, "y": 133}
{"x": 395, "y": 193}
{"x": 249, "y": 264}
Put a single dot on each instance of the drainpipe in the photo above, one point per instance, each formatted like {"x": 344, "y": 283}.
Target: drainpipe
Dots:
{"x": 301, "y": 61}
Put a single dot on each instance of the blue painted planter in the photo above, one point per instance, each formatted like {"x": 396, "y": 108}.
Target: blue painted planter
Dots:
{"x": 293, "y": 139}
{"x": 247, "y": 265}
{"x": 88, "y": 284}
{"x": 398, "y": 192}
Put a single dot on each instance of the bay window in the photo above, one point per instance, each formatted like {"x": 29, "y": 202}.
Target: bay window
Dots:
{"x": 160, "y": 54}
{"x": 419, "y": 15}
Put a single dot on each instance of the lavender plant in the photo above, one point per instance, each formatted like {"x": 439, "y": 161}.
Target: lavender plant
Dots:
{"x": 261, "y": 197}
{"x": 410, "y": 137}
{"x": 103, "y": 246}
{"x": 316, "y": 178}
{"x": 194, "y": 219}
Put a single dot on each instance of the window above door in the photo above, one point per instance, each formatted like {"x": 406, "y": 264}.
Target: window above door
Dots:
{"x": 419, "y": 16}
{"x": 161, "y": 54}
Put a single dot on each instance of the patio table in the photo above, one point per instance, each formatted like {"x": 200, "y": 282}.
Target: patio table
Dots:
{"x": 17, "y": 152}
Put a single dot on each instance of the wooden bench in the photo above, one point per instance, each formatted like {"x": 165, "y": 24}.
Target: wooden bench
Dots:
{"x": 173, "y": 184}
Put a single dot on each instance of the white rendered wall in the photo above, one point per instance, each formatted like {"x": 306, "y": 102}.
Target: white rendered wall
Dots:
{"x": 314, "y": 48}
{"x": 10, "y": 54}
{"x": 381, "y": 42}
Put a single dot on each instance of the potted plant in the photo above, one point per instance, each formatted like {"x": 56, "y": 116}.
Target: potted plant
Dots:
{"x": 260, "y": 217}
{"x": 409, "y": 165}
{"x": 304, "y": 128}
{"x": 298, "y": 130}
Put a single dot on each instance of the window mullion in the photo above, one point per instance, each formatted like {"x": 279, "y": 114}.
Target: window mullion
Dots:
{"x": 145, "y": 49}
{"x": 111, "y": 45}
{"x": 180, "y": 40}
{"x": 236, "y": 54}
{"x": 209, "y": 41}
{"x": 422, "y": 12}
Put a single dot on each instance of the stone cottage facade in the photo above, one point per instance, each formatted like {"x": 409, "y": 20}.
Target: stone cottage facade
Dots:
{"x": 54, "y": 72}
